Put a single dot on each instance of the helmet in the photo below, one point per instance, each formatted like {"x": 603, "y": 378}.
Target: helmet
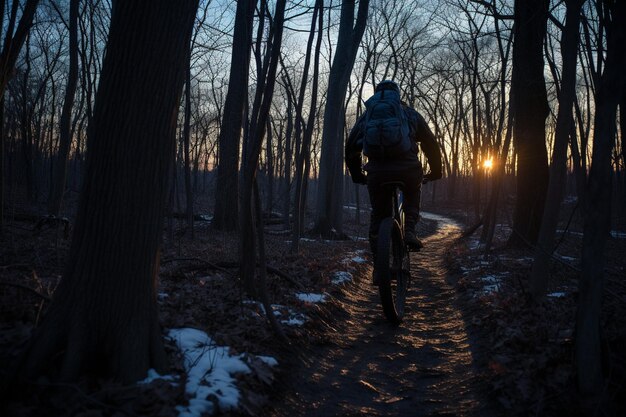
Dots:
{"x": 387, "y": 85}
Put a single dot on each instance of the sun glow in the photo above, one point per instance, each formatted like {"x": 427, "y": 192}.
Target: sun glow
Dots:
{"x": 488, "y": 164}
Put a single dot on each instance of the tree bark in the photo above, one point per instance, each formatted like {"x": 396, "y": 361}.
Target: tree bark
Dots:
{"x": 530, "y": 103}
{"x": 329, "y": 213}
{"x": 103, "y": 319}
{"x": 597, "y": 214}
{"x": 226, "y": 212}
{"x": 558, "y": 168}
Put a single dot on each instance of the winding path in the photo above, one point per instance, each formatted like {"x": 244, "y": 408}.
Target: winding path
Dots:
{"x": 422, "y": 368}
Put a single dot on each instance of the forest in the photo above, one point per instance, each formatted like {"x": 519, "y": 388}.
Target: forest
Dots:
{"x": 181, "y": 236}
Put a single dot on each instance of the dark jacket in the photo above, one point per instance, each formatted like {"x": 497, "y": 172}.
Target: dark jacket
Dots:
{"x": 418, "y": 131}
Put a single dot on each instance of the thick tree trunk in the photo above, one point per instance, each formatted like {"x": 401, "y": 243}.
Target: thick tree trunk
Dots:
{"x": 65, "y": 124}
{"x": 226, "y": 212}
{"x": 558, "y": 168}
{"x": 531, "y": 109}
{"x": 103, "y": 318}
{"x": 330, "y": 191}
{"x": 598, "y": 206}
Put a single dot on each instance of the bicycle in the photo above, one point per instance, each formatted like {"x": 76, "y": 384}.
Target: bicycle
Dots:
{"x": 392, "y": 265}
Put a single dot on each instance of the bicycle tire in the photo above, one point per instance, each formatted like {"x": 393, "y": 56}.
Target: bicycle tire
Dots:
{"x": 392, "y": 269}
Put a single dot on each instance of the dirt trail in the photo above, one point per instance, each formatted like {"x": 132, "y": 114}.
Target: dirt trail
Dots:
{"x": 422, "y": 368}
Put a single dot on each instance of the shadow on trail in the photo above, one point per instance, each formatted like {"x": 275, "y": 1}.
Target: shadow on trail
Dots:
{"x": 424, "y": 367}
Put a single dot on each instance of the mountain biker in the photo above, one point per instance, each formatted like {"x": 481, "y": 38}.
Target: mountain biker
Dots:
{"x": 402, "y": 164}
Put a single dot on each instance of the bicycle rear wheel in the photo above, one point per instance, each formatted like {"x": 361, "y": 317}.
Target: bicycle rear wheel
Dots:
{"x": 393, "y": 270}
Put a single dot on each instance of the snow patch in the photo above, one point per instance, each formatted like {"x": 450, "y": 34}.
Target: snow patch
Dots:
{"x": 311, "y": 297}
{"x": 557, "y": 294}
{"x": 570, "y": 232}
{"x": 153, "y": 375}
{"x": 618, "y": 235}
{"x": 268, "y": 360}
{"x": 341, "y": 277}
{"x": 566, "y": 258}
{"x": 210, "y": 370}
{"x": 286, "y": 315}
{"x": 491, "y": 283}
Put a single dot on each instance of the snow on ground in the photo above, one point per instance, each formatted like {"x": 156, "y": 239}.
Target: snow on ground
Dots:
{"x": 210, "y": 373}
{"x": 358, "y": 260}
{"x": 311, "y": 297}
{"x": 284, "y": 314}
{"x": 570, "y": 232}
{"x": 618, "y": 235}
{"x": 154, "y": 375}
{"x": 355, "y": 257}
{"x": 341, "y": 277}
{"x": 566, "y": 258}
{"x": 557, "y": 294}
{"x": 302, "y": 239}
{"x": 491, "y": 283}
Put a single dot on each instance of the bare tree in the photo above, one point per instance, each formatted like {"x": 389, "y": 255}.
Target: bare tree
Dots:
{"x": 330, "y": 190}
{"x": 558, "y": 168}
{"x": 225, "y": 216}
{"x": 609, "y": 91}
{"x": 530, "y": 108}
{"x": 65, "y": 137}
{"x": 250, "y": 202}
{"x": 105, "y": 306}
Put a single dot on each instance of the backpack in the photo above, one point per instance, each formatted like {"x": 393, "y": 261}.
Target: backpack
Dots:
{"x": 386, "y": 127}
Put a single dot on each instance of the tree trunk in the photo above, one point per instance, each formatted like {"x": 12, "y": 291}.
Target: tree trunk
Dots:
{"x": 186, "y": 146}
{"x": 2, "y": 176}
{"x": 287, "y": 165}
{"x": 103, "y": 319}
{"x": 13, "y": 41}
{"x": 598, "y": 206}
{"x": 262, "y": 103}
{"x": 302, "y": 159}
{"x": 270, "y": 169}
{"x": 65, "y": 134}
{"x": 530, "y": 103}
{"x": 330, "y": 191}
{"x": 226, "y": 212}
{"x": 558, "y": 168}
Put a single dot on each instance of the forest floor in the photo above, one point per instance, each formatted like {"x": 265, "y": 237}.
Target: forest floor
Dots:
{"x": 470, "y": 343}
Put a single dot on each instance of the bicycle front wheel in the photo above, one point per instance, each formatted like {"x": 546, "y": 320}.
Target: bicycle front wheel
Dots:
{"x": 393, "y": 270}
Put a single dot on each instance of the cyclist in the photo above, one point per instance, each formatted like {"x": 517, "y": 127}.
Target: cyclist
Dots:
{"x": 393, "y": 160}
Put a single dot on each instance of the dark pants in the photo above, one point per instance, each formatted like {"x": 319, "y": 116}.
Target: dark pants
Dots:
{"x": 381, "y": 197}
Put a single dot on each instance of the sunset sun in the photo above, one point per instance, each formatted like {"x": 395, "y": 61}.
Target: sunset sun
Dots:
{"x": 488, "y": 163}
